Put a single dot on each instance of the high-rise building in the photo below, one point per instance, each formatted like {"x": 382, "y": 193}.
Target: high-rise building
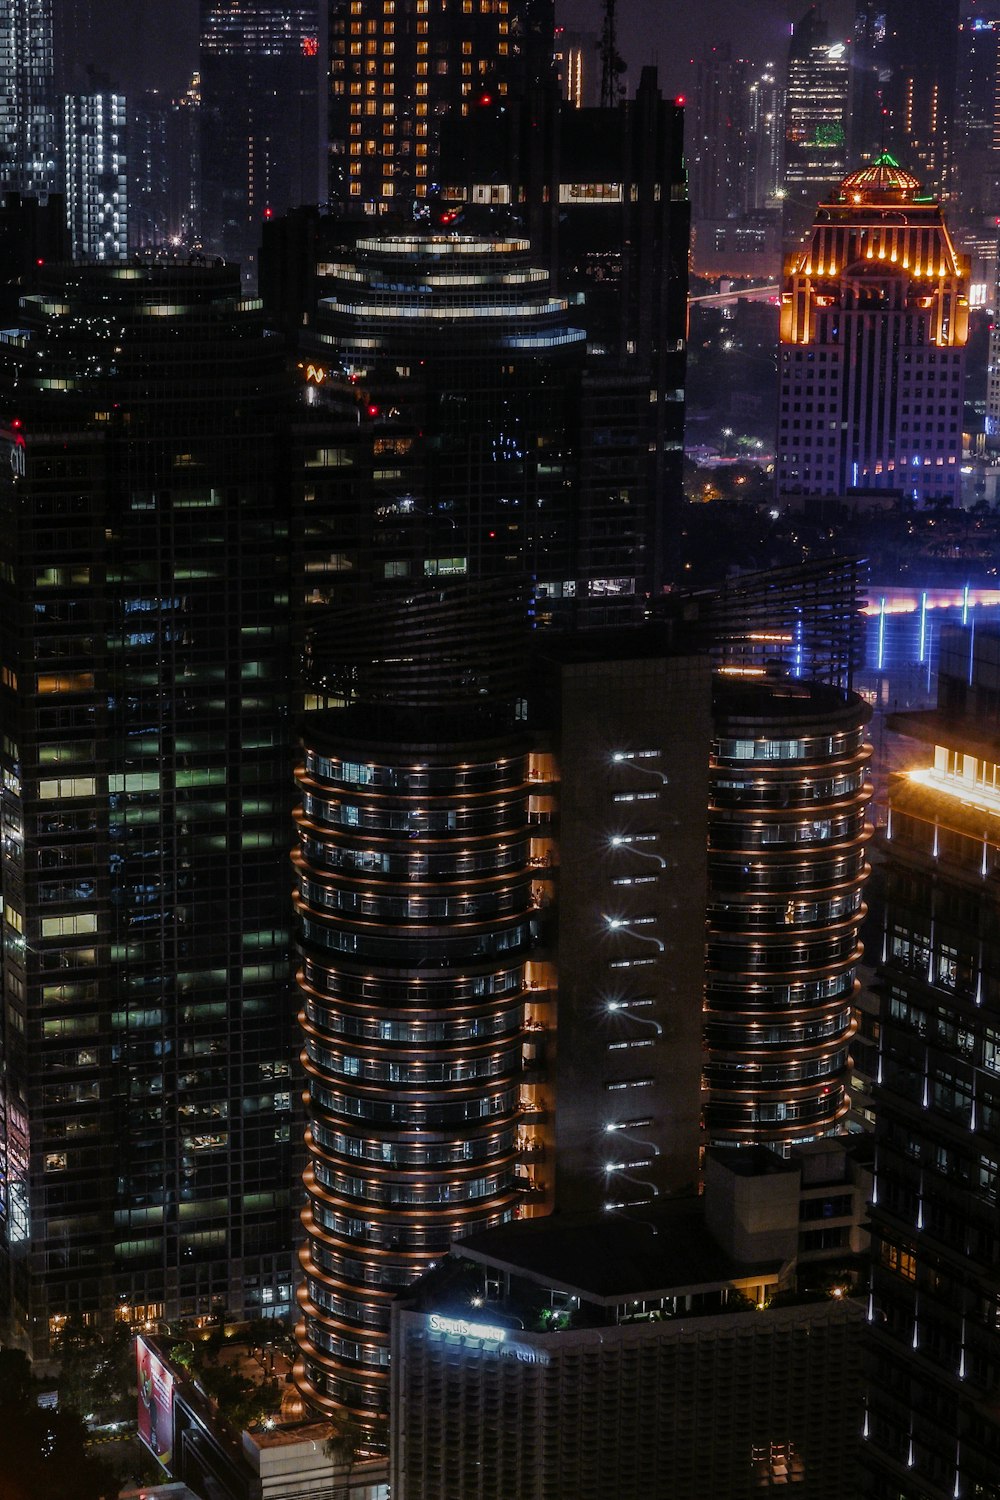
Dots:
{"x": 932, "y": 1427}
{"x": 146, "y": 1093}
{"x": 920, "y": 55}
{"x": 721, "y": 144}
{"x": 767, "y": 132}
{"x": 513, "y": 453}
{"x": 603, "y": 193}
{"x": 164, "y": 169}
{"x": 577, "y": 57}
{"x": 874, "y": 324}
{"x": 579, "y": 1358}
{"x": 975, "y": 120}
{"x": 259, "y": 93}
{"x": 466, "y": 373}
{"x": 28, "y": 129}
{"x": 397, "y": 72}
{"x": 465, "y": 874}
{"x": 96, "y": 181}
{"x": 816, "y": 107}
{"x": 787, "y": 834}
{"x": 868, "y": 120}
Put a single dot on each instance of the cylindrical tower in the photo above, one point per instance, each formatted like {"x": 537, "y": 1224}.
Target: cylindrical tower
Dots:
{"x": 787, "y": 837}
{"x": 415, "y": 906}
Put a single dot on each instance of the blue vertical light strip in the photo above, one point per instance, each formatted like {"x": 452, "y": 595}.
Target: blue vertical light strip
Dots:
{"x": 798, "y": 646}
{"x": 881, "y": 635}
{"x": 965, "y": 605}
{"x": 923, "y": 626}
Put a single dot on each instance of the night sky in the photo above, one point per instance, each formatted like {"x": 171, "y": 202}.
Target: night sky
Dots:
{"x": 148, "y": 44}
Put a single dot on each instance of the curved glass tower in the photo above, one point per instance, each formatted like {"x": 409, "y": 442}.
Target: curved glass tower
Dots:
{"x": 418, "y": 905}
{"x": 415, "y": 903}
{"x": 787, "y": 838}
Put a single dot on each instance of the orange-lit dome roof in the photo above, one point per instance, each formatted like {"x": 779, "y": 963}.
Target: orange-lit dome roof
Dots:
{"x": 883, "y": 175}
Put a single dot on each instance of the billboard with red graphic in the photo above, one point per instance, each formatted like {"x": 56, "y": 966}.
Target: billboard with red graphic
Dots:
{"x": 156, "y": 1402}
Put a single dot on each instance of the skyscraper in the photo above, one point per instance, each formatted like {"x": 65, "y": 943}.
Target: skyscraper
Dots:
{"x": 259, "y": 119}
{"x": 816, "y": 107}
{"x": 466, "y": 875}
{"x": 28, "y": 131}
{"x": 466, "y": 371}
{"x": 146, "y": 1091}
{"x": 874, "y": 324}
{"x": 920, "y": 60}
{"x": 932, "y": 1428}
{"x": 398, "y": 70}
{"x": 786, "y": 869}
{"x": 604, "y": 195}
{"x": 96, "y": 181}
{"x": 720, "y": 146}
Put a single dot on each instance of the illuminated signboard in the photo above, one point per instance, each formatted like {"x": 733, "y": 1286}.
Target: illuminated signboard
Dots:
{"x": 461, "y": 1329}
{"x": 156, "y": 1402}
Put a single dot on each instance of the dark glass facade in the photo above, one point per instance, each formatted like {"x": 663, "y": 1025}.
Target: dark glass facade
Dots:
{"x": 932, "y": 1427}
{"x": 260, "y": 80}
{"x": 146, "y": 1090}
{"x": 461, "y": 370}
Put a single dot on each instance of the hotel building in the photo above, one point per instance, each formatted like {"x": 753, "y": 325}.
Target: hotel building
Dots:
{"x": 574, "y": 1358}
{"x": 874, "y": 325}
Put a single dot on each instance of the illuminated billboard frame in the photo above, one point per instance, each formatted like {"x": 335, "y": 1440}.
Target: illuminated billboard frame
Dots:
{"x": 155, "y": 1399}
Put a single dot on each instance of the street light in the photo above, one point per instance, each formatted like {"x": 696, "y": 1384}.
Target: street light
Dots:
{"x": 618, "y": 924}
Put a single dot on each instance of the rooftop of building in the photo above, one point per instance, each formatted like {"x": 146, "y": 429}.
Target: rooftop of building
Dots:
{"x": 767, "y": 697}
{"x": 608, "y": 1259}
{"x": 881, "y": 181}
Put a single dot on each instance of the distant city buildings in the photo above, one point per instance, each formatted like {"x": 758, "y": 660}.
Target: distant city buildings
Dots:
{"x": 29, "y": 157}
{"x": 397, "y": 74}
{"x": 817, "y": 107}
{"x": 96, "y": 183}
{"x": 259, "y": 119}
{"x": 874, "y": 325}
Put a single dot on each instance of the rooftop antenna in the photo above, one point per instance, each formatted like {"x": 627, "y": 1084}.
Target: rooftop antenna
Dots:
{"x": 612, "y": 62}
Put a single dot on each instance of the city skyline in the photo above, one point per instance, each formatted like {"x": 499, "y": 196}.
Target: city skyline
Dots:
{"x": 140, "y": 55}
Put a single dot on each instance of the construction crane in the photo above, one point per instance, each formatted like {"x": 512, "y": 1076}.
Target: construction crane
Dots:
{"x": 612, "y": 62}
